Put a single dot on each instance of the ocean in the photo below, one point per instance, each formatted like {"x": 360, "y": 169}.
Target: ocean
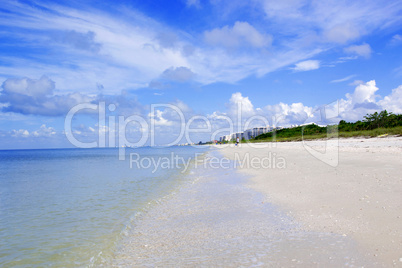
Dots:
{"x": 72, "y": 207}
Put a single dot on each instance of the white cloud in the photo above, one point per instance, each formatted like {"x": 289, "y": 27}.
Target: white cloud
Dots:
{"x": 183, "y": 107}
{"x": 195, "y": 3}
{"x": 29, "y": 87}
{"x": 393, "y": 102}
{"x": 283, "y": 9}
{"x": 241, "y": 34}
{"x": 179, "y": 74}
{"x": 398, "y": 71}
{"x": 283, "y": 114}
{"x": 343, "y": 79}
{"x": 20, "y": 133}
{"x": 365, "y": 92}
{"x": 280, "y": 114}
{"x": 345, "y": 59}
{"x": 353, "y": 107}
{"x": 44, "y": 131}
{"x": 342, "y": 33}
{"x": 360, "y": 102}
{"x": 125, "y": 44}
{"x": 238, "y": 103}
{"x": 84, "y": 41}
{"x": 396, "y": 40}
{"x": 36, "y": 96}
{"x": 356, "y": 83}
{"x": 158, "y": 118}
{"x": 217, "y": 116}
{"x": 128, "y": 51}
{"x": 363, "y": 50}
{"x": 307, "y": 65}
{"x": 331, "y": 21}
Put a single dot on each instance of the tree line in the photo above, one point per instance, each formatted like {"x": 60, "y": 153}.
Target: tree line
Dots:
{"x": 382, "y": 119}
{"x": 373, "y": 121}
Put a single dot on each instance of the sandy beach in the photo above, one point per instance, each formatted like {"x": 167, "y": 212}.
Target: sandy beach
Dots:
{"x": 278, "y": 206}
{"x": 215, "y": 220}
{"x": 359, "y": 196}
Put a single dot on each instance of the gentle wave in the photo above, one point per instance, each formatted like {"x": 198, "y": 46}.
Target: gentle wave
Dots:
{"x": 70, "y": 207}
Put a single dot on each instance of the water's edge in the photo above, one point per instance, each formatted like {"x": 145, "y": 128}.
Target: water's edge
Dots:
{"x": 216, "y": 220}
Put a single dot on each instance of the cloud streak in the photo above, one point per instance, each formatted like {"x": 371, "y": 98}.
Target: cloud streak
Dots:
{"x": 343, "y": 79}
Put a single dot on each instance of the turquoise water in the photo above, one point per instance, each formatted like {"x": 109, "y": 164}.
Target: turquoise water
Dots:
{"x": 70, "y": 207}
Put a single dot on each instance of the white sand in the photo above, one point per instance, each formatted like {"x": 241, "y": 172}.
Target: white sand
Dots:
{"x": 361, "y": 197}
{"x": 214, "y": 220}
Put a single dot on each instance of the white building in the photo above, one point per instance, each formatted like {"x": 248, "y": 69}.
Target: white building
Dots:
{"x": 225, "y": 138}
{"x": 247, "y": 134}
{"x": 254, "y": 132}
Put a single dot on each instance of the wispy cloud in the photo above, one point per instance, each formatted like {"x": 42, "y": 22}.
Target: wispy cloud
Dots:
{"x": 131, "y": 49}
{"x": 194, "y": 3}
{"x": 338, "y": 21}
{"x": 363, "y": 50}
{"x": 396, "y": 40}
{"x": 241, "y": 34}
{"x": 343, "y": 79}
{"x": 398, "y": 71}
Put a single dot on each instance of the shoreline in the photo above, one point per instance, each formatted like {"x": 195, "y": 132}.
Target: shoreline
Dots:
{"x": 359, "y": 197}
{"x": 218, "y": 221}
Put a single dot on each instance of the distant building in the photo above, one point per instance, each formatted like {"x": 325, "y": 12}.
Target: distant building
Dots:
{"x": 248, "y": 134}
{"x": 254, "y": 132}
{"x": 225, "y": 138}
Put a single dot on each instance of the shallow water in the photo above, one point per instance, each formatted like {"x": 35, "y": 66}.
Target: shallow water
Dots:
{"x": 69, "y": 207}
{"x": 217, "y": 221}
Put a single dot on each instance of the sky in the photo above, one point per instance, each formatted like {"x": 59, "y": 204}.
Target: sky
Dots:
{"x": 115, "y": 73}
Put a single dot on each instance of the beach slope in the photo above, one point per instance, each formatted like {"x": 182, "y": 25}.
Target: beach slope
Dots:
{"x": 357, "y": 193}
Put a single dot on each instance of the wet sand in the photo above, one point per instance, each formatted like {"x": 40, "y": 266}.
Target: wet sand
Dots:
{"x": 359, "y": 197}
{"x": 218, "y": 221}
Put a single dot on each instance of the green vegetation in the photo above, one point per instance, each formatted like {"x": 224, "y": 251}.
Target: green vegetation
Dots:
{"x": 373, "y": 125}
{"x": 373, "y": 121}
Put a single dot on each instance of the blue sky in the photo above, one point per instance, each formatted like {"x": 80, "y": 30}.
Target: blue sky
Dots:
{"x": 276, "y": 59}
